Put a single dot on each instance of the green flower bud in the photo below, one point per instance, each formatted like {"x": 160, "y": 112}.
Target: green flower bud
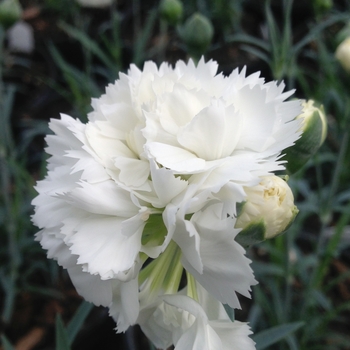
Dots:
{"x": 268, "y": 211}
{"x": 95, "y": 3}
{"x": 171, "y": 11}
{"x": 321, "y": 6}
{"x": 314, "y": 128}
{"x": 342, "y": 54}
{"x": 10, "y": 12}
{"x": 197, "y": 33}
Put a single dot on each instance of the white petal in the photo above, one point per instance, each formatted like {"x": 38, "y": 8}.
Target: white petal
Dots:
{"x": 225, "y": 268}
{"x": 185, "y": 303}
{"x": 188, "y": 239}
{"x": 133, "y": 172}
{"x": 125, "y": 305}
{"x": 120, "y": 118}
{"x": 198, "y": 337}
{"x": 100, "y": 244}
{"x": 91, "y": 287}
{"x": 175, "y": 158}
{"x": 106, "y": 148}
{"x": 192, "y": 333}
{"x": 154, "y": 325}
{"x": 90, "y": 169}
{"x": 233, "y": 334}
{"x": 102, "y": 198}
{"x": 213, "y": 133}
{"x": 166, "y": 185}
{"x": 65, "y": 138}
{"x": 212, "y": 307}
{"x": 178, "y": 107}
{"x": 53, "y": 242}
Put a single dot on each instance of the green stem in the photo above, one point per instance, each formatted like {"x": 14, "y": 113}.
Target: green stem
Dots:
{"x": 320, "y": 272}
{"x": 164, "y": 273}
{"x": 191, "y": 287}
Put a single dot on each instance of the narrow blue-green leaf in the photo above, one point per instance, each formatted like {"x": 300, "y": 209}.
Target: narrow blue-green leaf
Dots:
{"x": 275, "y": 334}
{"x": 248, "y": 39}
{"x": 321, "y": 299}
{"x": 268, "y": 269}
{"x": 256, "y": 52}
{"x": 8, "y": 285}
{"x": 88, "y": 43}
{"x": 274, "y": 33}
{"x": 142, "y": 39}
{"x": 62, "y": 342}
{"x": 314, "y": 31}
{"x": 254, "y": 315}
{"x": 78, "y": 319}
{"x": 6, "y": 343}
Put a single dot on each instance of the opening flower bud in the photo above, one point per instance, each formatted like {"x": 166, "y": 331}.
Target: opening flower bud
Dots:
{"x": 342, "y": 54}
{"x": 10, "y": 12}
{"x": 171, "y": 11}
{"x": 197, "y": 33}
{"x": 267, "y": 212}
{"x": 314, "y": 132}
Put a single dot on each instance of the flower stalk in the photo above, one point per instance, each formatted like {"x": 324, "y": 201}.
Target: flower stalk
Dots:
{"x": 164, "y": 273}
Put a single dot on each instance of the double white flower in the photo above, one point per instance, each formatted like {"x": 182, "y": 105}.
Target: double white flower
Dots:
{"x": 157, "y": 173}
{"x": 200, "y": 324}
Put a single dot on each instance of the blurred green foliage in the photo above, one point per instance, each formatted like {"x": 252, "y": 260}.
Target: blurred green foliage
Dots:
{"x": 298, "y": 301}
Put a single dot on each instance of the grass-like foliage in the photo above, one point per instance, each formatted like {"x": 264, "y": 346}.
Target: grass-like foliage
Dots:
{"x": 302, "y": 301}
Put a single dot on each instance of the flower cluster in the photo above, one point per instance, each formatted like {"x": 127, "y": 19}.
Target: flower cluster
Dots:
{"x": 140, "y": 203}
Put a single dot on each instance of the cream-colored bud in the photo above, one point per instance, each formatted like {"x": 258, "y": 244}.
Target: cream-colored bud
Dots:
{"x": 268, "y": 210}
{"x": 309, "y": 109}
{"x": 342, "y": 54}
{"x": 314, "y": 132}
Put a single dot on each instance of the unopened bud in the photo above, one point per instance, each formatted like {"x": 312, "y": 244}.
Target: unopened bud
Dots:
{"x": 171, "y": 11}
{"x": 95, "y": 3}
{"x": 197, "y": 33}
{"x": 321, "y": 6}
{"x": 268, "y": 211}
{"x": 314, "y": 128}
{"x": 342, "y": 54}
{"x": 10, "y": 12}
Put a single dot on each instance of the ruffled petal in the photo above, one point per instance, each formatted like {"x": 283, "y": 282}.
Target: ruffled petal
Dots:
{"x": 101, "y": 246}
{"x": 177, "y": 159}
{"x": 233, "y": 334}
{"x": 91, "y": 287}
{"x": 225, "y": 268}
{"x": 125, "y": 305}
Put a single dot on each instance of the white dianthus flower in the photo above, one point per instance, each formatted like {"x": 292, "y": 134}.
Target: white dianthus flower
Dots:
{"x": 156, "y": 173}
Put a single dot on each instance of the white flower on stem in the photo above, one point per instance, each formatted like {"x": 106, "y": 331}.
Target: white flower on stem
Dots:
{"x": 194, "y": 323}
{"x": 156, "y": 173}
